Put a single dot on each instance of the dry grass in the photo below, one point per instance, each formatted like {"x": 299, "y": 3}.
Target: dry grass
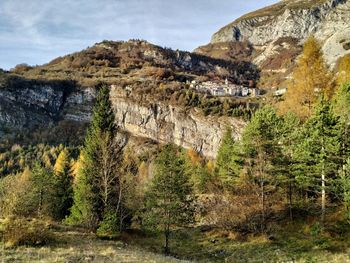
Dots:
{"x": 300, "y": 241}
{"x": 75, "y": 246}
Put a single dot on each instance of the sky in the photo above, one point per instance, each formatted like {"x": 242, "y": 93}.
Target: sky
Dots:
{"x": 37, "y": 31}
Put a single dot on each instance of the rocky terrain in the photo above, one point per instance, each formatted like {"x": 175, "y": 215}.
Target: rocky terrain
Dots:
{"x": 276, "y": 33}
{"x": 143, "y": 79}
{"x": 166, "y": 123}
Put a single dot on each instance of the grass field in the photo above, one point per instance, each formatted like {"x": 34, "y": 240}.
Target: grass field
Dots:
{"x": 76, "y": 246}
{"x": 294, "y": 242}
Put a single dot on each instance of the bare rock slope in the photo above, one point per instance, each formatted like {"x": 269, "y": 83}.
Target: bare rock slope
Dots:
{"x": 276, "y": 33}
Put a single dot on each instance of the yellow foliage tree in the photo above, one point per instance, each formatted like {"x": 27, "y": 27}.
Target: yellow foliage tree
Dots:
{"x": 62, "y": 162}
{"x": 343, "y": 75}
{"x": 310, "y": 79}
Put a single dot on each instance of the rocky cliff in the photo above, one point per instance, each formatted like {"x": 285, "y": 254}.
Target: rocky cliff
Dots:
{"x": 150, "y": 93}
{"x": 275, "y": 34}
{"x": 166, "y": 123}
{"x": 328, "y": 20}
{"x": 43, "y": 104}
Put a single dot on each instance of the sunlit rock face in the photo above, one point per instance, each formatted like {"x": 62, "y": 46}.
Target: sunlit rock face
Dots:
{"x": 166, "y": 123}
{"x": 40, "y": 106}
{"x": 328, "y": 20}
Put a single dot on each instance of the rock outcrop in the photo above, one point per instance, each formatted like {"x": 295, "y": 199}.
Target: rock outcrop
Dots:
{"x": 30, "y": 107}
{"x": 43, "y": 105}
{"x": 166, "y": 123}
{"x": 328, "y": 20}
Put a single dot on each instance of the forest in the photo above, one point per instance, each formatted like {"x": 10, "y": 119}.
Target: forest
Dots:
{"x": 290, "y": 171}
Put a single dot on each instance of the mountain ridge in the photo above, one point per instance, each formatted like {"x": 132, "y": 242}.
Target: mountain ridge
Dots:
{"x": 150, "y": 93}
{"x": 276, "y": 34}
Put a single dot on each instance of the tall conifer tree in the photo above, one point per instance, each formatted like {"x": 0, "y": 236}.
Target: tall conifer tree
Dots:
{"x": 95, "y": 195}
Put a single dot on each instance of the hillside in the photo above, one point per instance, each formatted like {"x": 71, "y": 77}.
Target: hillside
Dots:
{"x": 150, "y": 93}
{"x": 277, "y": 32}
{"x": 115, "y": 61}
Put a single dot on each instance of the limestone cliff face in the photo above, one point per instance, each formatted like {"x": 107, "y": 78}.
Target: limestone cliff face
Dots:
{"x": 30, "y": 107}
{"x": 43, "y": 105}
{"x": 166, "y": 123}
{"x": 328, "y": 20}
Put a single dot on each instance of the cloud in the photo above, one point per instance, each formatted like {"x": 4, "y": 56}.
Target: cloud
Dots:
{"x": 37, "y": 31}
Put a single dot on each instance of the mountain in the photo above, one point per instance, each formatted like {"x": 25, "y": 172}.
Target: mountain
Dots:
{"x": 272, "y": 37}
{"x": 149, "y": 87}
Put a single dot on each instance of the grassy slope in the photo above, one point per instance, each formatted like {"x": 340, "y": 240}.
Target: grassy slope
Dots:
{"x": 294, "y": 242}
{"x": 74, "y": 246}
{"x": 300, "y": 241}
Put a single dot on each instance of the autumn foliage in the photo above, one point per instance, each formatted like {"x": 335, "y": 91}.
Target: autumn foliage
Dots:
{"x": 310, "y": 79}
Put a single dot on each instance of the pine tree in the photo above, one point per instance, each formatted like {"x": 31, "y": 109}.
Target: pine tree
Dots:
{"x": 284, "y": 161}
{"x": 81, "y": 212}
{"x": 318, "y": 151}
{"x": 197, "y": 171}
{"x": 310, "y": 79}
{"x": 63, "y": 178}
{"x": 228, "y": 161}
{"x": 98, "y": 174}
{"x": 345, "y": 189}
{"x": 341, "y": 105}
{"x": 260, "y": 148}
{"x": 42, "y": 197}
{"x": 169, "y": 200}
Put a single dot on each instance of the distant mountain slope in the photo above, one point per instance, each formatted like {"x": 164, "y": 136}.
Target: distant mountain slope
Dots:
{"x": 277, "y": 32}
{"x": 150, "y": 93}
{"x": 112, "y": 61}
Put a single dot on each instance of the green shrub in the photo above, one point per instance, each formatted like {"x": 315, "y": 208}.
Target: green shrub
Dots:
{"x": 20, "y": 231}
{"x": 108, "y": 226}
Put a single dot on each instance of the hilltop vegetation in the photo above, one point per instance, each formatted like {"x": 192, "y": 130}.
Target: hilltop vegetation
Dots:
{"x": 121, "y": 61}
{"x": 146, "y": 73}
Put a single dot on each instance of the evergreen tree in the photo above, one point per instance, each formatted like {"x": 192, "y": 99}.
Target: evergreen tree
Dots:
{"x": 169, "y": 200}
{"x": 81, "y": 212}
{"x": 260, "y": 147}
{"x": 42, "y": 197}
{"x": 228, "y": 161}
{"x": 284, "y": 162}
{"x": 345, "y": 189}
{"x": 318, "y": 151}
{"x": 341, "y": 105}
{"x": 99, "y": 174}
{"x": 63, "y": 177}
{"x": 311, "y": 78}
{"x": 197, "y": 171}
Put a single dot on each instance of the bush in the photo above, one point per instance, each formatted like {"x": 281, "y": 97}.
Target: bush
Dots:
{"x": 109, "y": 226}
{"x": 29, "y": 232}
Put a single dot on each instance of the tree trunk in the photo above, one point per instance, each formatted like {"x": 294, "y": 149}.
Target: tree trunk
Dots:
{"x": 323, "y": 192}
{"x": 40, "y": 202}
{"x": 290, "y": 199}
{"x": 167, "y": 234}
{"x": 262, "y": 205}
